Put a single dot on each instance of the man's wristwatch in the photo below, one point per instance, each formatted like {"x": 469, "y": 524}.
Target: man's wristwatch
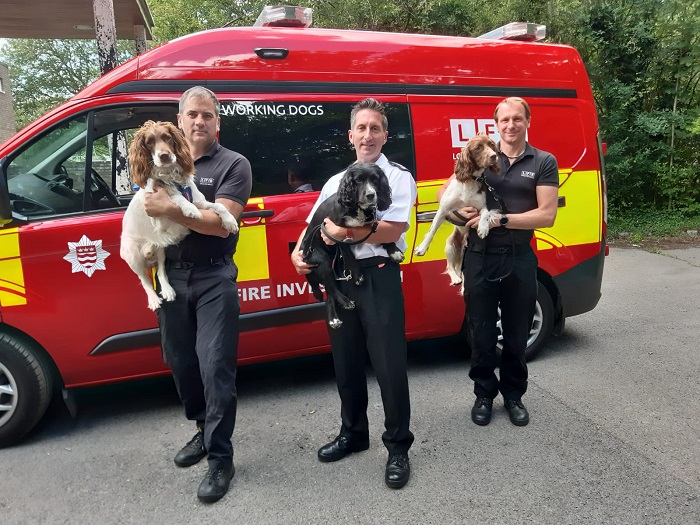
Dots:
{"x": 504, "y": 219}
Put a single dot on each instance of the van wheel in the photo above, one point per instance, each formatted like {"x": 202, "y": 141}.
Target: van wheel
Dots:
{"x": 25, "y": 390}
{"x": 542, "y": 324}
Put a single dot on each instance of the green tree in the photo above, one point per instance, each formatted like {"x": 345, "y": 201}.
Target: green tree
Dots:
{"x": 47, "y": 72}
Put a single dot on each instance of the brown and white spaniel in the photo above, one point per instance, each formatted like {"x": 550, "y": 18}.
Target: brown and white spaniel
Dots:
{"x": 159, "y": 155}
{"x": 463, "y": 190}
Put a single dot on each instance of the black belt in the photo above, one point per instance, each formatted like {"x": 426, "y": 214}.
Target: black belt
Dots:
{"x": 517, "y": 249}
{"x": 202, "y": 263}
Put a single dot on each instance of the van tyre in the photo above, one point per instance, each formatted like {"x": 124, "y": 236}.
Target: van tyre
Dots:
{"x": 25, "y": 389}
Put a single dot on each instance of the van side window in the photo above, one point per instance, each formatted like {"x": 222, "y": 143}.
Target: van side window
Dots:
{"x": 48, "y": 177}
{"x": 311, "y": 137}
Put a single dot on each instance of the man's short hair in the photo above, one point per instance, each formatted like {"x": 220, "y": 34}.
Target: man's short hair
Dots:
{"x": 199, "y": 92}
{"x": 511, "y": 101}
{"x": 369, "y": 103}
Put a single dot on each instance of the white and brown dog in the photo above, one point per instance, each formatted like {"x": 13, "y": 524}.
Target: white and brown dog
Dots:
{"x": 465, "y": 190}
{"x": 159, "y": 155}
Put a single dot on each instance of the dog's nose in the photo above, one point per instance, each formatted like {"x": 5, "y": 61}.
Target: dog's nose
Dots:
{"x": 371, "y": 195}
{"x": 164, "y": 156}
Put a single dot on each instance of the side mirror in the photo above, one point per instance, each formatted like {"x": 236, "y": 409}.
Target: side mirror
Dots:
{"x": 5, "y": 208}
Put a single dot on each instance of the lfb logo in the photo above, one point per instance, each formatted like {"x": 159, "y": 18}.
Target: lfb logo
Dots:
{"x": 464, "y": 129}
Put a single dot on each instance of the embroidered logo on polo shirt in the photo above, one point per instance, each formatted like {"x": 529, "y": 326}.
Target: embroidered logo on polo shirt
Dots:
{"x": 206, "y": 181}
{"x": 528, "y": 174}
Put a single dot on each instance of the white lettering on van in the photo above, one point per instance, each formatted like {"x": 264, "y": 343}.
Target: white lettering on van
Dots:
{"x": 229, "y": 109}
{"x": 464, "y": 129}
{"x": 289, "y": 289}
{"x": 254, "y": 293}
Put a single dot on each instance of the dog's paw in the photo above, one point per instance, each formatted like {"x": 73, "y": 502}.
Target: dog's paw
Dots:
{"x": 335, "y": 323}
{"x": 483, "y": 230}
{"x": 398, "y": 256}
{"x": 230, "y": 224}
{"x": 420, "y": 250}
{"x": 168, "y": 294}
{"x": 154, "y": 303}
{"x": 455, "y": 277}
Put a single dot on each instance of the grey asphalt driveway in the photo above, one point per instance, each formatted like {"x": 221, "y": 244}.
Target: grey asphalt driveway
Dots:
{"x": 614, "y": 437}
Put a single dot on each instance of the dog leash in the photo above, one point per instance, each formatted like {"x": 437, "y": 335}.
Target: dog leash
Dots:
{"x": 504, "y": 209}
{"x": 349, "y": 242}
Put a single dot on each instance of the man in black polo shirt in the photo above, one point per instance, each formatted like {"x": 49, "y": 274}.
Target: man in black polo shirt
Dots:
{"x": 501, "y": 270}
{"x": 199, "y": 329}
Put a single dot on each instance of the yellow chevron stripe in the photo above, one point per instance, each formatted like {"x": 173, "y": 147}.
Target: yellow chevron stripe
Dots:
{"x": 251, "y": 252}
{"x": 12, "y": 290}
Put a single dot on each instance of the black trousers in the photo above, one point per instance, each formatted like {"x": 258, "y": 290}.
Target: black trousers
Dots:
{"x": 376, "y": 327}
{"x": 199, "y": 334}
{"x": 516, "y": 294}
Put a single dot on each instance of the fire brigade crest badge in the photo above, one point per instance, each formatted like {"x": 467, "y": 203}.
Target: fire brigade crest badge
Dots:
{"x": 86, "y": 256}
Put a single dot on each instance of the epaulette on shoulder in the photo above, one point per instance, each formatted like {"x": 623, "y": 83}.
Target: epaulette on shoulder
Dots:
{"x": 397, "y": 165}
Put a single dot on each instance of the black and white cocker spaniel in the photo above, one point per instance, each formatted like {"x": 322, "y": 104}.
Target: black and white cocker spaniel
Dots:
{"x": 363, "y": 191}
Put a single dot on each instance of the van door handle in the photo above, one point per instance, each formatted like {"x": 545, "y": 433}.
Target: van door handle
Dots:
{"x": 254, "y": 217}
{"x": 258, "y": 213}
{"x": 425, "y": 216}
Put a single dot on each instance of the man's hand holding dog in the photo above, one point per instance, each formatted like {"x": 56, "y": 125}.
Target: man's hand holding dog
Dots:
{"x": 466, "y": 216}
{"x": 335, "y": 231}
{"x": 159, "y": 204}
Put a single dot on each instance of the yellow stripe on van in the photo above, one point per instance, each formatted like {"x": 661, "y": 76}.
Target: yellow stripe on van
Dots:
{"x": 579, "y": 221}
{"x": 12, "y": 291}
{"x": 427, "y": 193}
{"x": 252, "y": 249}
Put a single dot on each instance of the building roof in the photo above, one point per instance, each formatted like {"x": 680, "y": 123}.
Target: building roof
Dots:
{"x": 69, "y": 18}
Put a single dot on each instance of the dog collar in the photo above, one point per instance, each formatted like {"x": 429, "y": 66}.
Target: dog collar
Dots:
{"x": 186, "y": 191}
{"x": 347, "y": 241}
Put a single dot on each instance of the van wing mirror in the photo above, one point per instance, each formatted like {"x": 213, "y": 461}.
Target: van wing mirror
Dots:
{"x": 5, "y": 207}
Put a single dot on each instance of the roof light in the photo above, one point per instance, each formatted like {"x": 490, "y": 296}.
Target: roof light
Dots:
{"x": 525, "y": 31}
{"x": 284, "y": 16}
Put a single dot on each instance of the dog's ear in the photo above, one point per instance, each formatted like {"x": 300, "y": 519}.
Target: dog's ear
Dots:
{"x": 140, "y": 159}
{"x": 347, "y": 190}
{"x": 181, "y": 149}
{"x": 383, "y": 190}
{"x": 463, "y": 165}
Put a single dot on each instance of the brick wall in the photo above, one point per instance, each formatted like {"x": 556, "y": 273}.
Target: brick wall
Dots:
{"x": 7, "y": 112}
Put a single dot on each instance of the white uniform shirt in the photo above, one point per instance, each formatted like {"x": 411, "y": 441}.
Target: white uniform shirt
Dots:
{"x": 403, "y": 197}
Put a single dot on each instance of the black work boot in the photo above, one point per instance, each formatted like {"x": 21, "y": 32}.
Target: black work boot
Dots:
{"x": 215, "y": 483}
{"x": 481, "y": 411}
{"x": 193, "y": 452}
{"x": 517, "y": 412}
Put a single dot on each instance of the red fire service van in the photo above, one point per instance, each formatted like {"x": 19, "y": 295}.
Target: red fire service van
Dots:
{"x": 72, "y": 314}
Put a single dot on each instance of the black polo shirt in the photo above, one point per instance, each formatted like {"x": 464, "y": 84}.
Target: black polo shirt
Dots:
{"x": 516, "y": 186}
{"x": 220, "y": 173}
